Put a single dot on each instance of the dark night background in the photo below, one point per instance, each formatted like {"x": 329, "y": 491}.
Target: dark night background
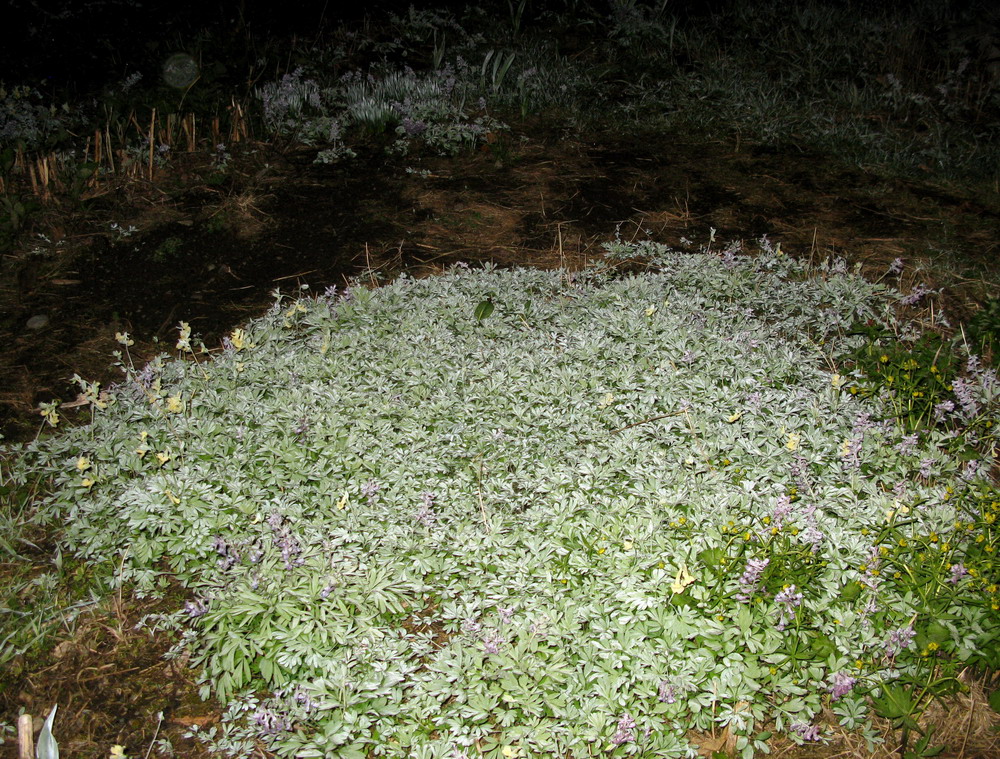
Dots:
{"x": 75, "y": 46}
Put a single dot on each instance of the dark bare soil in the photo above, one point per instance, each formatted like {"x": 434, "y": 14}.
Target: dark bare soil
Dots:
{"x": 211, "y": 249}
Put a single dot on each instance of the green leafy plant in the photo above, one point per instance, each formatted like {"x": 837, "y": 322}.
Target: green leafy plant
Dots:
{"x": 598, "y": 510}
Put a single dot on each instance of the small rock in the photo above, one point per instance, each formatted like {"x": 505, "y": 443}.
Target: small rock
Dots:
{"x": 41, "y": 321}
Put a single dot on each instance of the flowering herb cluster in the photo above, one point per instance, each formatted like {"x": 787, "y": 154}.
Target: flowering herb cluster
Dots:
{"x": 608, "y": 511}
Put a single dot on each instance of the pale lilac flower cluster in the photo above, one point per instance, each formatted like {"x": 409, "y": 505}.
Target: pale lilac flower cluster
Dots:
{"x": 370, "y": 491}
{"x": 899, "y": 640}
{"x": 269, "y": 722}
{"x": 813, "y": 536}
{"x": 942, "y": 410}
{"x": 471, "y": 626}
{"x": 228, "y": 554}
{"x": 413, "y": 127}
{"x": 806, "y": 732}
{"x": 958, "y": 571}
{"x": 965, "y": 393}
{"x": 286, "y": 99}
{"x": 896, "y": 267}
{"x": 842, "y": 684}
{"x": 302, "y": 427}
{"x": 925, "y": 468}
{"x": 800, "y": 470}
{"x": 425, "y": 514}
{"x": 667, "y": 694}
{"x": 973, "y": 470}
{"x": 908, "y": 444}
{"x": 850, "y": 453}
{"x": 916, "y": 295}
{"x": 624, "y": 734}
{"x": 787, "y": 601}
{"x": 196, "y": 608}
{"x": 750, "y": 579}
{"x": 492, "y": 643}
{"x": 729, "y": 254}
{"x": 782, "y": 508}
{"x": 289, "y": 545}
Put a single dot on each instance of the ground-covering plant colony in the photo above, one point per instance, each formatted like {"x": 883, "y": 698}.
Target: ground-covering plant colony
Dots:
{"x": 551, "y": 513}
{"x": 642, "y": 499}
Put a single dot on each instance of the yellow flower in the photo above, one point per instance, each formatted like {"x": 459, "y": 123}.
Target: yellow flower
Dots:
{"x": 117, "y": 752}
{"x": 173, "y": 499}
{"x": 511, "y": 752}
{"x": 124, "y": 339}
{"x": 342, "y": 503}
{"x": 627, "y": 545}
{"x": 87, "y": 483}
{"x": 734, "y": 417}
{"x": 837, "y": 381}
{"x": 83, "y": 463}
{"x": 174, "y": 404}
{"x": 792, "y": 443}
{"x": 163, "y": 458}
{"x": 238, "y": 339}
{"x": 683, "y": 579}
{"x": 651, "y": 310}
{"x": 49, "y": 413}
{"x": 184, "y": 338}
{"x": 607, "y": 400}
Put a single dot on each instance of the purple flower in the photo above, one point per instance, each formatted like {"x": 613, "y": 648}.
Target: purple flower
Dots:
{"x": 896, "y": 267}
{"x": 916, "y": 295}
{"x": 925, "y": 468}
{"x": 302, "y": 427}
{"x": 425, "y": 514}
{"x": 908, "y": 444}
{"x": 196, "y": 608}
{"x": 806, "y": 732}
{"x": 370, "y": 490}
{"x": 506, "y": 614}
{"x": 799, "y": 469}
{"x": 964, "y": 392}
{"x": 972, "y": 364}
{"x": 471, "y": 626}
{"x": 270, "y": 723}
{"x": 750, "y": 579}
{"x": 842, "y": 684}
{"x": 972, "y": 470}
{"x": 958, "y": 571}
{"x": 413, "y": 127}
{"x": 863, "y": 422}
{"x": 492, "y": 643}
{"x": 782, "y": 508}
{"x": 787, "y": 601}
{"x": 899, "y": 640}
{"x": 228, "y": 555}
{"x": 624, "y": 734}
{"x": 814, "y": 536}
{"x": 667, "y": 693}
{"x": 942, "y": 409}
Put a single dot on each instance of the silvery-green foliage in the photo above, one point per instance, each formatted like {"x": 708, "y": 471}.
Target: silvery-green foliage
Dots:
{"x": 418, "y": 529}
{"x": 25, "y": 122}
{"x": 288, "y": 102}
